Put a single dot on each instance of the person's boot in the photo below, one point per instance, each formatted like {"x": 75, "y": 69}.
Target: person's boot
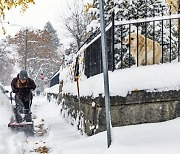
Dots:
{"x": 28, "y": 117}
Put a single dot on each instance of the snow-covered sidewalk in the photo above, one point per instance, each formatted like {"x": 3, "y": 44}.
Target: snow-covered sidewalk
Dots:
{"x": 51, "y": 129}
{"x": 55, "y": 136}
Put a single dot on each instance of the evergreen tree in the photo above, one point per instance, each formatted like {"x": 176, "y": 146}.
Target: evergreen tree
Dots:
{"x": 49, "y": 28}
{"x": 127, "y": 10}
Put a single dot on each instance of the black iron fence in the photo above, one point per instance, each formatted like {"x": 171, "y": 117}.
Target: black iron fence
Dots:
{"x": 136, "y": 42}
{"x": 93, "y": 56}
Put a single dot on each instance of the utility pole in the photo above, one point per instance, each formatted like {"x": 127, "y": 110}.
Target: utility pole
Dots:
{"x": 25, "y": 51}
{"x": 105, "y": 71}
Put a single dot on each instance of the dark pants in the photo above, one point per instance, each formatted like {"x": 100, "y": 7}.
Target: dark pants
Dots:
{"x": 26, "y": 106}
{"x": 23, "y": 105}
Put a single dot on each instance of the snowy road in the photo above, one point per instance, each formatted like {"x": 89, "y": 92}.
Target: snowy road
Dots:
{"x": 51, "y": 129}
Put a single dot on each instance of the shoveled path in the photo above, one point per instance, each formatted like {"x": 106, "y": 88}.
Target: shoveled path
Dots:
{"x": 52, "y": 131}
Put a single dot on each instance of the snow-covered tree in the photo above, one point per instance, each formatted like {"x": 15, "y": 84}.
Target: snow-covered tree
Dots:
{"x": 41, "y": 53}
{"x": 7, "y": 61}
{"x": 75, "y": 21}
{"x": 48, "y": 26}
{"x": 127, "y": 10}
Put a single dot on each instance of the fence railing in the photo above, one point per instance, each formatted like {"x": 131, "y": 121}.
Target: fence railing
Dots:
{"x": 136, "y": 42}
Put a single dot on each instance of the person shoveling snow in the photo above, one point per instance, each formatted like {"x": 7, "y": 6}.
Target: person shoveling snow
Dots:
{"x": 22, "y": 86}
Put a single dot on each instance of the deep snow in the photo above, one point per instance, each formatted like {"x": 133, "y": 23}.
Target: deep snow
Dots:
{"x": 55, "y": 135}
{"x": 63, "y": 138}
{"x": 160, "y": 77}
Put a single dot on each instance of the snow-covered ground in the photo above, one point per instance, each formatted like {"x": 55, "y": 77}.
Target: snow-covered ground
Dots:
{"x": 57, "y": 136}
{"x": 161, "y": 77}
{"x": 51, "y": 130}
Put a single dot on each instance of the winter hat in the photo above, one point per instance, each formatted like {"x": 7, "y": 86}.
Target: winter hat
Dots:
{"x": 23, "y": 75}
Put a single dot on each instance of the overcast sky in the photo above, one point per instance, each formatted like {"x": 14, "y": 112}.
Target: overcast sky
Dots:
{"x": 37, "y": 15}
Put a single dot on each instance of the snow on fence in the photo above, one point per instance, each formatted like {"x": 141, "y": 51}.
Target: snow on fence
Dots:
{"x": 160, "y": 44}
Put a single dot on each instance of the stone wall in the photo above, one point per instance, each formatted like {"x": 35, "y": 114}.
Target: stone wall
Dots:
{"x": 51, "y": 95}
{"x": 136, "y": 108}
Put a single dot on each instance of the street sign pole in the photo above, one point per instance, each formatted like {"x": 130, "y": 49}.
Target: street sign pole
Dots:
{"x": 105, "y": 71}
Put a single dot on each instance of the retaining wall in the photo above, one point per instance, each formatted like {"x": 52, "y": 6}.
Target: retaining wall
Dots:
{"x": 136, "y": 108}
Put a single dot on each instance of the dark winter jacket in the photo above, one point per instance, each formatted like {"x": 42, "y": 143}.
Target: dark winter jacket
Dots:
{"x": 22, "y": 90}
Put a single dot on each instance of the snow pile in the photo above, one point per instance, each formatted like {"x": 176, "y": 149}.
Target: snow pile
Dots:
{"x": 65, "y": 75}
{"x": 158, "y": 138}
{"x": 9, "y": 143}
{"x": 161, "y": 77}
{"x": 5, "y": 109}
{"x": 54, "y": 89}
{"x": 93, "y": 26}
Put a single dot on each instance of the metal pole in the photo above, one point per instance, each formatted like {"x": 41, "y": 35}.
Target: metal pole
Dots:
{"x": 178, "y": 31}
{"x": 112, "y": 42}
{"x": 105, "y": 72}
{"x": 25, "y": 51}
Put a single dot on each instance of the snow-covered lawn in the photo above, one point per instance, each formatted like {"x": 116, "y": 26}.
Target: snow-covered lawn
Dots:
{"x": 160, "y": 77}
